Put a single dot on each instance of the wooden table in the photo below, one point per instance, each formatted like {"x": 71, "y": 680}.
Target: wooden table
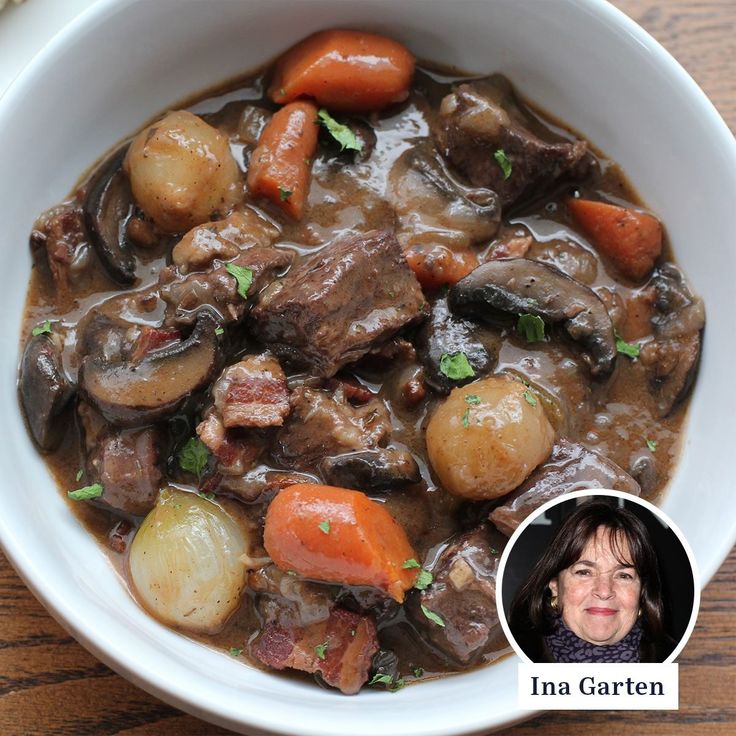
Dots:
{"x": 50, "y": 685}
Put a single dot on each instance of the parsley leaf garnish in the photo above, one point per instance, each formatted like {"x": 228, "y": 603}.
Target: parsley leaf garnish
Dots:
{"x": 410, "y": 563}
{"x": 341, "y": 133}
{"x": 194, "y": 456}
{"x": 418, "y": 671}
{"x": 43, "y": 329}
{"x": 320, "y": 650}
{"x": 652, "y": 445}
{"x": 87, "y": 493}
{"x": 325, "y": 526}
{"x": 284, "y": 194}
{"x": 235, "y": 652}
{"x": 503, "y": 161}
{"x": 207, "y": 496}
{"x": 530, "y": 398}
{"x": 244, "y": 277}
{"x": 391, "y": 684}
{"x": 466, "y": 418}
{"x": 629, "y": 349}
{"x": 472, "y": 399}
{"x": 456, "y": 366}
{"x": 219, "y": 330}
{"x": 79, "y": 475}
{"x": 432, "y": 616}
{"x": 424, "y": 580}
{"x": 531, "y": 327}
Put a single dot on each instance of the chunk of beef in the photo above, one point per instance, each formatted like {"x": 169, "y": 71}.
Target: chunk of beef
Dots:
{"x": 287, "y": 600}
{"x": 481, "y": 118}
{"x": 355, "y": 293}
{"x": 217, "y": 289}
{"x": 323, "y": 424}
{"x": 223, "y": 240}
{"x": 61, "y": 236}
{"x": 445, "y": 333}
{"x": 570, "y": 467}
{"x": 340, "y": 649}
{"x": 260, "y": 483}
{"x": 672, "y": 358}
{"x": 252, "y": 393}
{"x": 433, "y": 209}
{"x": 126, "y": 463}
{"x": 463, "y": 595}
{"x": 44, "y": 389}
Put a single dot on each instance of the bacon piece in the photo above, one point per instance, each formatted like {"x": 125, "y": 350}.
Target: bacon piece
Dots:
{"x": 352, "y": 389}
{"x": 252, "y": 393}
{"x": 152, "y": 338}
{"x": 236, "y": 453}
{"x": 351, "y": 641}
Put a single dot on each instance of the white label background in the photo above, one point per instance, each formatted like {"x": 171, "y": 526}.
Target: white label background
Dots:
{"x": 667, "y": 674}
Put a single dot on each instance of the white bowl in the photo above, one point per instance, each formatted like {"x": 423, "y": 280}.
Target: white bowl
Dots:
{"x": 123, "y": 61}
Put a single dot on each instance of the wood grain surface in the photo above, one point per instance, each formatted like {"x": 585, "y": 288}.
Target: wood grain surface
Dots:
{"x": 51, "y": 685}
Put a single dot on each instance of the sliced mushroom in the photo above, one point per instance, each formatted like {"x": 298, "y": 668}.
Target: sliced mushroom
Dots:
{"x": 44, "y": 390}
{"x": 130, "y": 394}
{"x": 107, "y": 209}
{"x": 503, "y": 288}
{"x": 673, "y": 356}
{"x": 446, "y": 334}
{"x": 379, "y": 469}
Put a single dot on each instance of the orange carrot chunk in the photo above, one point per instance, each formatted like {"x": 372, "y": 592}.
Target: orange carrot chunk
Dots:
{"x": 631, "y": 240}
{"x": 281, "y": 162}
{"x": 435, "y": 265}
{"x": 338, "y": 536}
{"x": 346, "y": 71}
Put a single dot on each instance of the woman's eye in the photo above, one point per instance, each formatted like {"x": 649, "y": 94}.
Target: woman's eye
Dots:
{"x": 582, "y": 572}
{"x": 625, "y": 576}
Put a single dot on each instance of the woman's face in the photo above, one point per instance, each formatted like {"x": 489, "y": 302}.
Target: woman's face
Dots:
{"x": 598, "y": 596}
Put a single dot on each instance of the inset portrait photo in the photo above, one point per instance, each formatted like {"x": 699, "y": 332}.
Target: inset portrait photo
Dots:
{"x": 598, "y": 577}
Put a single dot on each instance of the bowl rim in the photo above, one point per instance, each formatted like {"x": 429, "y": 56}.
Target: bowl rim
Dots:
{"x": 115, "y": 654}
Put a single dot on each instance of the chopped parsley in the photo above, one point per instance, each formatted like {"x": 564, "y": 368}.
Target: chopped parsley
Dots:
{"x": 219, "y": 330}
{"x": 43, "y": 329}
{"x": 325, "y": 526}
{"x": 531, "y": 327}
{"x": 503, "y": 161}
{"x": 320, "y": 650}
{"x": 79, "y": 475}
{"x": 432, "y": 616}
{"x": 244, "y": 277}
{"x": 424, "y": 580}
{"x": 284, "y": 194}
{"x": 652, "y": 445}
{"x": 629, "y": 349}
{"x": 466, "y": 418}
{"x": 418, "y": 671}
{"x": 494, "y": 551}
{"x": 207, "y": 496}
{"x": 87, "y": 493}
{"x": 194, "y": 456}
{"x": 235, "y": 652}
{"x": 341, "y": 133}
{"x": 410, "y": 563}
{"x": 472, "y": 399}
{"x": 391, "y": 684}
{"x": 456, "y": 366}
{"x": 530, "y": 398}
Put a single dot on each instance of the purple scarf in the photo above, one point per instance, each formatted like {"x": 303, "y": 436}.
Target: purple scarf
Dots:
{"x": 564, "y": 646}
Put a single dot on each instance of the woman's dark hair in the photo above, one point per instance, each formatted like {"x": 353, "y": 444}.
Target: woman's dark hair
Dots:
{"x": 532, "y": 616}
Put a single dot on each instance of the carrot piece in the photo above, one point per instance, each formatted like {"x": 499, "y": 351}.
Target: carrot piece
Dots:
{"x": 631, "y": 240}
{"x": 347, "y": 71}
{"x": 281, "y": 162}
{"x": 434, "y": 266}
{"x": 339, "y": 536}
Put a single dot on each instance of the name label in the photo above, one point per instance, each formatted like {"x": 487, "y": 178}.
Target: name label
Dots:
{"x": 598, "y": 686}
